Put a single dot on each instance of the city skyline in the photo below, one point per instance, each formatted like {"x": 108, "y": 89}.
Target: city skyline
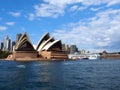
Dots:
{"x": 87, "y": 24}
{"x": 8, "y": 44}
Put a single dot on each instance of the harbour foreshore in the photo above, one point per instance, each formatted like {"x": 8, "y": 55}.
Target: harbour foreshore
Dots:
{"x": 33, "y": 59}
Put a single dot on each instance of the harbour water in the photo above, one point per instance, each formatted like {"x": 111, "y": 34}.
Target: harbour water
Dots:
{"x": 60, "y": 75}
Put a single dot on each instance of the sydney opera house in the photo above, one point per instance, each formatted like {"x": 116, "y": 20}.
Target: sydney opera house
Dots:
{"x": 47, "y": 49}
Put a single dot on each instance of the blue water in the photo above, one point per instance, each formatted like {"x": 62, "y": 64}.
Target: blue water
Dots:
{"x": 60, "y": 75}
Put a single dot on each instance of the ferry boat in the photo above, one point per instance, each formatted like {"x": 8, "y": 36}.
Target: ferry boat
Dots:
{"x": 84, "y": 56}
{"x": 93, "y": 56}
{"x": 77, "y": 56}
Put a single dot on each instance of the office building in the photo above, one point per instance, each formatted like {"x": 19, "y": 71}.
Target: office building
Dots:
{"x": 7, "y": 44}
{"x": 66, "y": 48}
{"x": 1, "y": 45}
{"x": 12, "y": 45}
{"x": 73, "y": 49}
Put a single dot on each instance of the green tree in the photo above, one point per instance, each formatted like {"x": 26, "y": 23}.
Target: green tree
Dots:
{"x": 4, "y": 54}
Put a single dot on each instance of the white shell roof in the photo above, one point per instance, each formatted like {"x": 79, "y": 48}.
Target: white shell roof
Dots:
{"x": 50, "y": 44}
{"x": 45, "y": 43}
{"x": 24, "y": 38}
{"x": 41, "y": 40}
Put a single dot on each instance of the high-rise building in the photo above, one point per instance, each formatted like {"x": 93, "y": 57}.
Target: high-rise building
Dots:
{"x": 18, "y": 36}
{"x": 65, "y": 47}
{"x": 73, "y": 49}
{"x": 13, "y": 44}
{"x": 1, "y": 45}
{"x": 7, "y": 44}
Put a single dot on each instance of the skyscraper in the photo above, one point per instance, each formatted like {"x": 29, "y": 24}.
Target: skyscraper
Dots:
{"x": 65, "y": 47}
{"x": 73, "y": 49}
{"x": 7, "y": 44}
{"x": 13, "y": 44}
{"x": 1, "y": 45}
{"x": 18, "y": 36}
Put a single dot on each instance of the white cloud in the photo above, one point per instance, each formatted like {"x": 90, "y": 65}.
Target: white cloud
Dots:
{"x": 10, "y": 23}
{"x": 45, "y": 10}
{"x": 101, "y": 31}
{"x": 77, "y": 8}
{"x": 2, "y": 28}
{"x": 113, "y": 2}
{"x": 31, "y": 17}
{"x": 74, "y": 8}
{"x": 15, "y": 14}
{"x": 55, "y": 8}
{"x": 95, "y": 9}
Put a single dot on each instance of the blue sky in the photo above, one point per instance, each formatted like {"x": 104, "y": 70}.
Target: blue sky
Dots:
{"x": 90, "y": 24}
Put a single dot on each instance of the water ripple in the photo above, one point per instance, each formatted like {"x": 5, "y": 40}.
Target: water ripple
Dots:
{"x": 21, "y": 66}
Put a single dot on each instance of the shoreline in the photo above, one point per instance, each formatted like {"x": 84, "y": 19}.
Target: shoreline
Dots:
{"x": 41, "y": 59}
{"x": 33, "y": 59}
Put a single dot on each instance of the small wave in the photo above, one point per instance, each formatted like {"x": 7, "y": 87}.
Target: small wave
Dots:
{"x": 41, "y": 64}
{"x": 38, "y": 65}
{"x": 68, "y": 63}
{"x": 21, "y": 66}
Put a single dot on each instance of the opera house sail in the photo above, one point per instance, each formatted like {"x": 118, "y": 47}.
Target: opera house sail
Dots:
{"x": 49, "y": 48}
{"x": 24, "y": 48}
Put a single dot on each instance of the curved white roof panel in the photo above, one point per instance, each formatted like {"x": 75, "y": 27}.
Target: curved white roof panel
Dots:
{"x": 44, "y": 38}
{"x": 50, "y": 44}
{"x": 45, "y": 43}
{"x": 24, "y": 42}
